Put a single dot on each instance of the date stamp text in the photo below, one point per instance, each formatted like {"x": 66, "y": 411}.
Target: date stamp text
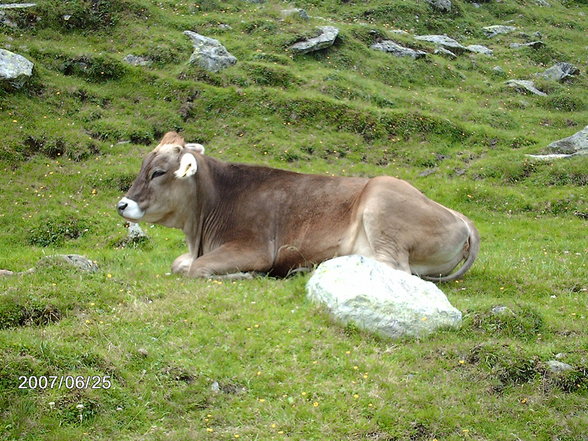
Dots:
{"x": 64, "y": 382}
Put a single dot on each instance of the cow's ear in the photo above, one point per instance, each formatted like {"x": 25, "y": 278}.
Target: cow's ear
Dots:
{"x": 188, "y": 166}
{"x": 198, "y": 148}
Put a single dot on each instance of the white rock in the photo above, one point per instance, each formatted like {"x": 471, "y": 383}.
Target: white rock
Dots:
{"x": 380, "y": 299}
{"x": 14, "y": 69}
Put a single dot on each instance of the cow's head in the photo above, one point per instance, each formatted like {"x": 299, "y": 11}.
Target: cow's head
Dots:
{"x": 160, "y": 191}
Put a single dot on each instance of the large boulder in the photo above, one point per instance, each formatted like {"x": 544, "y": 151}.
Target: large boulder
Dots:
{"x": 15, "y": 70}
{"x": 397, "y": 50}
{"x": 326, "y": 39}
{"x": 209, "y": 54}
{"x": 377, "y": 298}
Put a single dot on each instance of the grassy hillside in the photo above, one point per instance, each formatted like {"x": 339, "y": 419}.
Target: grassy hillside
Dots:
{"x": 198, "y": 359}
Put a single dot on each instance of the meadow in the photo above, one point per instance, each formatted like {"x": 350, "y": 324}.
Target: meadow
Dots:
{"x": 184, "y": 359}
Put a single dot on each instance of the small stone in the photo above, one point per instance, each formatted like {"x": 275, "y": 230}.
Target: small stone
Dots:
{"x": 135, "y": 231}
{"x": 428, "y": 172}
{"x": 442, "y": 41}
{"x": 560, "y": 356}
{"x": 479, "y": 49}
{"x": 494, "y": 30}
{"x": 532, "y": 44}
{"x": 397, "y": 50}
{"x": 501, "y": 310}
{"x": 498, "y": 70}
{"x": 215, "y": 387}
{"x": 444, "y": 52}
{"x": 557, "y": 367}
{"x": 81, "y": 263}
{"x": 142, "y": 352}
{"x": 525, "y": 86}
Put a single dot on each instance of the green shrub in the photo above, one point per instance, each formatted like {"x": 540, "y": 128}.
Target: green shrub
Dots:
{"x": 14, "y": 313}
{"x": 95, "y": 68}
{"x": 521, "y": 322}
{"x": 563, "y": 103}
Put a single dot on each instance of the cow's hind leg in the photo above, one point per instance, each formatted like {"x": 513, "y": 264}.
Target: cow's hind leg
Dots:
{"x": 182, "y": 264}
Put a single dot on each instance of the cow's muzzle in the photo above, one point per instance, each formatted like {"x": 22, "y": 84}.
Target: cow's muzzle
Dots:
{"x": 129, "y": 209}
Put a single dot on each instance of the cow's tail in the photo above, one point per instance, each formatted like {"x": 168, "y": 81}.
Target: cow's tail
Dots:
{"x": 470, "y": 253}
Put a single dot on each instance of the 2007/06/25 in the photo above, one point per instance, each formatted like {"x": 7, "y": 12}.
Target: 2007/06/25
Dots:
{"x": 68, "y": 381}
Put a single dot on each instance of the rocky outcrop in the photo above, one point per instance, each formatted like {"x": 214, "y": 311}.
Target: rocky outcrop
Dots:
{"x": 377, "y": 298}
{"x": 76, "y": 261}
{"x": 15, "y": 70}
{"x": 397, "y": 50}
{"x": 209, "y": 53}
{"x": 326, "y": 39}
{"x": 560, "y": 72}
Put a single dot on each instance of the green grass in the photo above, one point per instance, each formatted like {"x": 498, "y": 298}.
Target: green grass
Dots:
{"x": 73, "y": 141}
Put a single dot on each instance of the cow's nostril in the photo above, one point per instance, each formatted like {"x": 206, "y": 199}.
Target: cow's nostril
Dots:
{"x": 121, "y": 206}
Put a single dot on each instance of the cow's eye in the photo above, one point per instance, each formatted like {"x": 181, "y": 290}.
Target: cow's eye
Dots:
{"x": 157, "y": 173}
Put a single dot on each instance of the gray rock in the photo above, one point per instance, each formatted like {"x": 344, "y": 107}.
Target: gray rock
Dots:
{"x": 560, "y": 72}
{"x": 76, "y": 261}
{"x": 395, "y": 49}
{"x": 209, "y": 54}
{"x": 15, "y": 70}
{"x": 225, "y": 27}
{"x": 480, "y": 49}
{"x": 441, "y": 5}
{"x": 501, "y": 310}
{"x": 324, "y": 40}
{"x": 557, "y": 367}
{"x": 379, "y": 299}
{"x": 532, "y": 44}
{"x": 577, "y": 144}
{"x": 399, "y": 32}
{"x": 543, "y": 3}
{"x": 442, "y": 41}
{"x": 525, "y": 86}
{"x": 135, "y": 60}
{"x": 135, "y": 231}
{"x": 494, "y": 30}
{"x": 298, "y": 12}
{"x": 498, "y": 70}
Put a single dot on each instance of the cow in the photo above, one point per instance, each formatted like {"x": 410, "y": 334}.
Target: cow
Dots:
{"x": 247, "y": 219}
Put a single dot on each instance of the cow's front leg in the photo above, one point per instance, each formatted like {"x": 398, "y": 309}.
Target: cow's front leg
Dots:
{"x": 231, "y": 261}
{"x": 182, "y": 264}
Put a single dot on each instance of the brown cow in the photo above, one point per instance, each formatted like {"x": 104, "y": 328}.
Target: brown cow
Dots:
{"x": 246, "y": 218}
